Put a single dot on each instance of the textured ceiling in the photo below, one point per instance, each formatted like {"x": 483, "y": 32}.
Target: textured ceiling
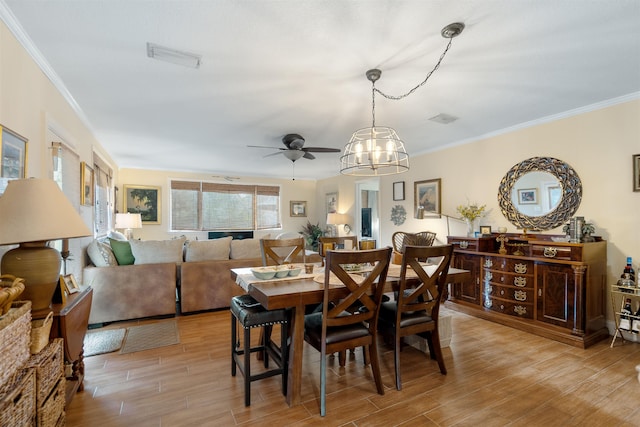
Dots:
{"x": 276, "y": 67}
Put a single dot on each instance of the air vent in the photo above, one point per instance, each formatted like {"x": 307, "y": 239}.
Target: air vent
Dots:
{"x": 173, "y": 56}
{"x": 444, "y": 119}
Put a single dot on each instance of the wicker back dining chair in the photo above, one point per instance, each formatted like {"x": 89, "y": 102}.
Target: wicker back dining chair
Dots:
{"x": 338, "y": 329}
{"x": 416, "y": 308}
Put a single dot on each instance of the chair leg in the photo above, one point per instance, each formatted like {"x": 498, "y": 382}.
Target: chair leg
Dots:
{"x": 375, "y": 365}
{"x": 397, "y": 345}
{"x": 233, "y": 345}
{"x": 265, "y": 336}
{"x": 342, "y": 358}
{"x": 323, "y": 384}
{"x": 284, "y": 355}
{"x": 436, "y": 351}
{"x": 247, "y": 367}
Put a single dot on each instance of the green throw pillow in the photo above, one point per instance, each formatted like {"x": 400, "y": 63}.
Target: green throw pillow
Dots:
{"x": 122, "y": 252}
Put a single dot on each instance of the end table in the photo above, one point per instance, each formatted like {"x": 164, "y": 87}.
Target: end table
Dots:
{"x": 70, "y": 322}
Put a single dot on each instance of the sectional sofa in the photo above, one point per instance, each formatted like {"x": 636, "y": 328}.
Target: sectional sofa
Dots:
{"x": 136, "y": 279}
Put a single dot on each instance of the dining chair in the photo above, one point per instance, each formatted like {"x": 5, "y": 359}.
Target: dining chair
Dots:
{"x": 336, "y": 328}
{"x": 416, "y": 308}
{"x": 282, "y": 251}
{"x": 400, "y": 239}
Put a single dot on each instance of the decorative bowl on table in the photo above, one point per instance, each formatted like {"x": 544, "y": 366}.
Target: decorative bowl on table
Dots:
{"x": 282, "y": 271}
{"x": 264, "y": 273}
{"x": 294, "y": 271}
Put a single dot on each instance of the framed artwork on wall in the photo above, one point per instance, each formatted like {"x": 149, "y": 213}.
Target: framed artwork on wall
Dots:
{"x": 398, "y": 190}
{"x": 528, "y": 196}
{"x": 636, "y": 172}
{"x": 298, "y": 208}
{"x": 332, "y": 202}
{"x": 426, "y": 197}
{"x": 86, "y": 181}
{"x": 145, "y": 200}
{"x": 13, "y": 157}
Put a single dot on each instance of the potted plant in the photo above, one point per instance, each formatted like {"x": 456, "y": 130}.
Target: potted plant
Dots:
{"x": 311, "y": 235}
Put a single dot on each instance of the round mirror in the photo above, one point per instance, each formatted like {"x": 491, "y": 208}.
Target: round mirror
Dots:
{"x": 540, "y": 193}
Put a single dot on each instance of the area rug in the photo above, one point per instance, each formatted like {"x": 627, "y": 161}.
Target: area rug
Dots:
{"x": 153, "y": 335}
{"x": 100, "y": 342}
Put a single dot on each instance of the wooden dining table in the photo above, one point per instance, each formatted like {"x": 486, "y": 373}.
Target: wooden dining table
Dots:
{"x": 296, "y": 294}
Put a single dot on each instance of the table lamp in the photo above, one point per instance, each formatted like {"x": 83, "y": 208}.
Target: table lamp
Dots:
{"x": 34, "y": 211}
{"x": 128, "y": 221}
{"x": 336, "y": 219}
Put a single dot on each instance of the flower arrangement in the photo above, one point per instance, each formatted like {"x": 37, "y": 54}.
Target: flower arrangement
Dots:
{"x": 471, "y": 212}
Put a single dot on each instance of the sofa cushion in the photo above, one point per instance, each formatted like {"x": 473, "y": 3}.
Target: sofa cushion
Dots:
{"x": 246, "y": 248}
{"x": 157, "y": 251}
{"x": 100, "y": 254}
{"x": 116, "y": 235}
{"x": 206, "y": 250}
{"x": 122, "y": 251}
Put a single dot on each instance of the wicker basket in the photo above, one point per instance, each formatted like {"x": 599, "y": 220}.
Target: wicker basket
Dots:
{"x": 40, "y": 330}
{"x": 17, "y": 400}
{"x": 10, "y": 289}
{"x": 49, "y": 367}
{"x": 15, "y": 335}
{"x": 53, "y": 407}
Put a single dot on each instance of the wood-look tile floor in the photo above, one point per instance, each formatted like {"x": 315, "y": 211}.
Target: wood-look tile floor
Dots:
{"x": 497, "y": 376}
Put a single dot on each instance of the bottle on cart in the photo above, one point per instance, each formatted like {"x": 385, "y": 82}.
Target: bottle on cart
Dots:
{"x": 625, "y": 315}
{"x": 628, "y": 269}
{"x": 635, "y": 322}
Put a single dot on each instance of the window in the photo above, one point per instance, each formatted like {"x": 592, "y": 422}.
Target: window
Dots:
{"x": 212, "y": 206}
{"x": 103, "y": 188}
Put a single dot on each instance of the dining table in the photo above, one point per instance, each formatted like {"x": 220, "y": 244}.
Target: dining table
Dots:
{"x": 295, "y": 293}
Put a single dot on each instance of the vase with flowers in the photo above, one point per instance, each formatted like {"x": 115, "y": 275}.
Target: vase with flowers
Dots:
{"x": 470, "y": 213}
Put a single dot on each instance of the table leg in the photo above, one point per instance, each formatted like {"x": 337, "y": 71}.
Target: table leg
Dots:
{"x": 294, "y": 385}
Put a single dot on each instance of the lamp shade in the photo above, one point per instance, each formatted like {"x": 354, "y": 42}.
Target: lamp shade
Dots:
{"x": 337, "y": 218}
{"x": 34, "y": 211}
{"x": 374, "y": 151}
{"x": 128, "y": 220}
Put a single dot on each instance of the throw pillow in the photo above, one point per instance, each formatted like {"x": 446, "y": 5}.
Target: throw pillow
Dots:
{"x": 116, "y": 235}
{"x": 122, "y": 251}
{"x": 101, "y": 254}
{"x": 246, "y": 248}
{"x": 157, "y": 251}
{"x": 205, "y": 250}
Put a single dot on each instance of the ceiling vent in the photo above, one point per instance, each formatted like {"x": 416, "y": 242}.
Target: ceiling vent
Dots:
{"x": 444, "y": 119}
{"x": 177, "y": 57}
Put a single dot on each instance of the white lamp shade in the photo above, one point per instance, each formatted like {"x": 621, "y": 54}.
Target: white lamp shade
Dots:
{"x": 128, "y": 220}
{"x": 337, "y": 218}
{"x": 34, "y": 210}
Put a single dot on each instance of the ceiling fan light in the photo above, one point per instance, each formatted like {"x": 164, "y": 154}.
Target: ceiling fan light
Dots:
{"x": 384, "y": 155}
{"x": 293, "y": 155}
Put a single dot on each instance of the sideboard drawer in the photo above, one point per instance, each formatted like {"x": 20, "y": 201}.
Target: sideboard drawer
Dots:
{"x": 569, "y": 253}
{"x": 512, "y": 308}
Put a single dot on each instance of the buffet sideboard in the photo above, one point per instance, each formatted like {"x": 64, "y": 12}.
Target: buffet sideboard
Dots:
{"x": 537, "y": 284}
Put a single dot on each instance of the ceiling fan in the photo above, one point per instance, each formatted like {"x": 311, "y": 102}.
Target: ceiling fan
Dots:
{"x": 295, "y": 148}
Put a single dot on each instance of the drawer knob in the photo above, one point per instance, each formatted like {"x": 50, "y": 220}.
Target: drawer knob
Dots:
{"x": 550, "y": 252}
{"x": 520, "y": 310}
{"x": 520, "y": 295}
{"x": 520, "y": 282}
{"x": 520, "y": 268}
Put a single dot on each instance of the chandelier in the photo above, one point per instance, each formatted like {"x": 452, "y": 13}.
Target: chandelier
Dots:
{"x": 378, "y": 150}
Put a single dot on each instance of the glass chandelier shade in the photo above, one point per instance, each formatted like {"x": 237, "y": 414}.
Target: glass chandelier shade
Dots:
{"x": 374, "y": 151}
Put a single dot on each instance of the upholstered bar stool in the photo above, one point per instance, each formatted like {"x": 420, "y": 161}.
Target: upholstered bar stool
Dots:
{"x": 250, "y": 314}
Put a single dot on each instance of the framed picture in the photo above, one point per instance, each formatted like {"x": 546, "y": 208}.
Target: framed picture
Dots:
{"x": 145, "y": 200}
{"x": 86, "y": 178}
{"x": 398, "y": 190}
{"x": 485, "y": 230}
{"x": 332, "y": 202}
{"x": 70, "y": 284}
{"x": 13, "y": 157}
{"x": 528, "y": 196}
{"x": 636, "y": 172}
{"x": 297, "y": 208}
{"x": 60, "y": 294}
{"x": 426, "y": 196}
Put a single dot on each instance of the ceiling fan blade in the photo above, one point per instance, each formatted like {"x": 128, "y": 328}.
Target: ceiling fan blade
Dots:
{"x": 276, "y": 153}
{"x": 309, "y": 156}
{"x": 264, "y": 146}
{"x": 321, "y": 150}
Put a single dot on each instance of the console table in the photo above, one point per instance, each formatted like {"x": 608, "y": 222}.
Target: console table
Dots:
{"x": 70, "y": 322}
{"x": 549, "y": 288}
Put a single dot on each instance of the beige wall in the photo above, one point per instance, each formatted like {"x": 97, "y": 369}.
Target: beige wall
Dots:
{"x": 598, "y": 145}
{"x": 289, "y": 190}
